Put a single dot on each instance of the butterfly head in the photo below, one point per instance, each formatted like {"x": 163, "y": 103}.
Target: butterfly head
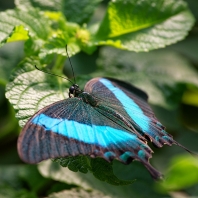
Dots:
{"x": 74, "y": 91}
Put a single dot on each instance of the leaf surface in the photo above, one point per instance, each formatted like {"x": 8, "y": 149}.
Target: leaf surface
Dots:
{"x": 139, "y": 25}
{"x": 74, "y": 10}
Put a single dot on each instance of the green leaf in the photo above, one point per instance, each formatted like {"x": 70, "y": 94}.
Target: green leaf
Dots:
{"x": 54, "y": 171}
{"x": 32, "y": 46}
{"x": 100, "y": 168}
{"x": 190, "y": 97}
{"x": 79, "y": 163}
{"x": 18, "y": 34}
{"x": 66, "y": 33}
{"x": 144, "y": 25}
{"x": 103, "y": 171}
{"x": 89, "y": 182}
{"x": 77, "y": 193}
{"x": 23, "y": 21}
{"x": 182, "y": 173}
{"x": 44, "y": 38}
{"x": 83, "y": 38}
{"x": 31, "y": 90}
{"x": 74, "y": 10}
{"x": 163, "y": 74}
{"x": 57, "y": 46}
{"x": 63, "y": 33}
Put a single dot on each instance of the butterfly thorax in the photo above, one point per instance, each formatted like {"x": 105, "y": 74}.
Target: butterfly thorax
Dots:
{"x": 75, "y": 91}
{"x": 88, "y": 98}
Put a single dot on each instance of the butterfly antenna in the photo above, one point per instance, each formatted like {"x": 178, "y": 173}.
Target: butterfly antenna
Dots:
{"x": 192, "y": 153}
{"x": 53, "y": 74}
{"x": 70, "y": 64}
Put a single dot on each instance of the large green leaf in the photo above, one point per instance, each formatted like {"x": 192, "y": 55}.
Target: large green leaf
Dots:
{"x": 57, "y": 46}
{"x": 17, "y": 34}
{"x": 133, "y": 25}
{"x": 100, "y": 168}
{"x": 27, "y": 20}
{"x": 182, "y": 173}
{"x": 163, "y": 74}
{"x": 74, "y": 10}
{"x": 138, "y": 25}
{"x": 88, "y": 182}
{"x": 45, "y": 33}
{"x": 54, "y": 171}
{"x": 31, "y": 90}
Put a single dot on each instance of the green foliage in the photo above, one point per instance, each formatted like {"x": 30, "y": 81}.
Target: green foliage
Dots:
{"x": 11, "y": 19}
{"x": 89, "y": 182}
{"x": 80, "y": 163}
{"x": 28, "y": 81}
{"x": 79, "y": 14}
{"x": 100, "y": 168}
{"x": 182, "y": 173}
{"x": 133, "y": 24}
{"x": 169, "y": 76}
{"x": 103, "y": 171}
{"x": 144, "y": 25}
{"x": 14, "y": 177}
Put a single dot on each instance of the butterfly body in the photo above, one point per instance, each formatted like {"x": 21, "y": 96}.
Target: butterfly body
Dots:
{"x": 109, "y": 119}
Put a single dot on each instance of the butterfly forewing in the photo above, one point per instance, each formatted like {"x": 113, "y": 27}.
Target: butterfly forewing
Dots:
{"x": 132, "y": 104}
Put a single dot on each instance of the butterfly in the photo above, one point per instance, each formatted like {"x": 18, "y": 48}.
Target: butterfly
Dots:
{"x": 110, "y": 119}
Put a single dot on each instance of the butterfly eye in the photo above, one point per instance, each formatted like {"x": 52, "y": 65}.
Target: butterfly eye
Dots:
{"x": 71, "y": 90}
{"x": 74, "y": 90}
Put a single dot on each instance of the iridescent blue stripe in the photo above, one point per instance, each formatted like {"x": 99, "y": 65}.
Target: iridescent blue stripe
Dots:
{"x": 132, "y": 109}
{"x": 101, "y": 135}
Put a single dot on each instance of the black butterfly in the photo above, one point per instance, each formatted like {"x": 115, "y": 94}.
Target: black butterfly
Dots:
{"x": 109, "y": 119}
